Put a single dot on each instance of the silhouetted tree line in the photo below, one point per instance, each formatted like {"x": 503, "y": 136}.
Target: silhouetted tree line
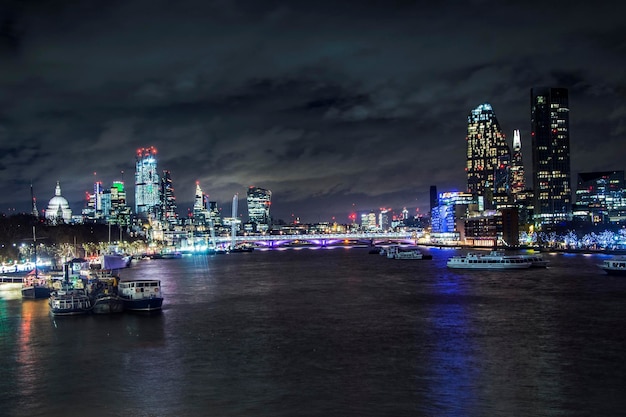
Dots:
{"x": 18, "y": 229}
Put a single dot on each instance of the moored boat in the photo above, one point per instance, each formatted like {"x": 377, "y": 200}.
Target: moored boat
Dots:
{"x": 35, "y": 287}
{"x": 141, "y": 295}
{"x": 102, "y": 289}
{"x": 69, "y": 302}
{"x": 491, "y": 261}
{"x": 614, "y": 266}
{"x": 536, "y": 260}
{"x": 396, "y": 252}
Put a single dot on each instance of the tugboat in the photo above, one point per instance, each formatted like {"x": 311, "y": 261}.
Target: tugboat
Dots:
{"x": 102, "y": 289}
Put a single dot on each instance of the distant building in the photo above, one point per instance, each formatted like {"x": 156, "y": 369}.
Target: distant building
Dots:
{"x": 259, "y": 201}
{"x": 368, "y": 221}
{"x": 488, "y": 157}
{"x": 434, "y": 197}
{"x": 600, "y": 197}
{"x": 146, "y": 182}
{"x": 448, "y": 218}
{"x": 518, "y": 183}
{"x": 383, "y": 218}
{"x": 58, "y": 210}
{"x": 200, "y": 212}
{"x": 549, "y": 108}
{"x": 168, "y": 214}
{"x": 107, "y": 205}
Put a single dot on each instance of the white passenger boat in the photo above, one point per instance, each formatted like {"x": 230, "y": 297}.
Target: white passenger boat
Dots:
{"x": 614, "y": 266}
{"x": 491, "y": 261}
{"x": 536, "y": 260}
{"x": 141, "y": 295}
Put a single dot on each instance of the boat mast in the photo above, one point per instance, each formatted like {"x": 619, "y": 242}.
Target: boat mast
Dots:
{"x": 36, "y": 216}
{"x": 35, "y": 250}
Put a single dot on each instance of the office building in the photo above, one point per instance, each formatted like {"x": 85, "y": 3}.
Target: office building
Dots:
{"x": 600, "y": 197}
{"x": 518, "y": 183}
{"x": 167, "y": 206}
{"x": 146, "y": 182}
{"x": 448, "y": 217}
{"x": 488, "y": 157}
{"x": 259, "y": 201}
{"x": 550, "y": 139}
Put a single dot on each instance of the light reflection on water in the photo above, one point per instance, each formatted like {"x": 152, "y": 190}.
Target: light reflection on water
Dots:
{"x": 329, "y": 332}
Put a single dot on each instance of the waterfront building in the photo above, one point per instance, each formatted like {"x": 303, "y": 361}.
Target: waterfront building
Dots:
{"x": 488, "y": 157}
{"x": 600, "y": 197}
{"x": 58, "y": 210}
{"x": 491, "y": 228}
{"x": 259, "y": 201}
{"x": 168, "y": 214}
{"x": 549, "y": 109}
{"x": 518, "y": 183}
{"x": 146, "y": 182}
{"x": 448, "y": 217}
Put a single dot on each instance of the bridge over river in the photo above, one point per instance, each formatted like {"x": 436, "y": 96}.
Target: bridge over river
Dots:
{"x": 322, "y": 239}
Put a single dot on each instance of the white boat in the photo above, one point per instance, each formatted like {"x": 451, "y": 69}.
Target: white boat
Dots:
{"x": 141, "y": 295}
{"x": 614, "y": 266}
{"x": 491, "y": 261}
{"x": 536, "y": 260}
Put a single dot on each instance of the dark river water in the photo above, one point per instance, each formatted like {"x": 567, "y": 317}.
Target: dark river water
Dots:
{"x": 329, "y": 332}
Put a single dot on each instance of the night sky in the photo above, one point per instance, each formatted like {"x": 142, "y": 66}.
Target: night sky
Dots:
{"x": 335, "y": 106}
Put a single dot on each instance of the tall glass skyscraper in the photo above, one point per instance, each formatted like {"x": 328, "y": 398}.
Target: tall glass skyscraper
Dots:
{"x": 259, "y": 201}
{"x": 549, "y": 113}
{"x": 488, "y": 156}
{"x": 518, "y": 183}
{"x": 146, "y": 182}
{"x": 169, "y": 216}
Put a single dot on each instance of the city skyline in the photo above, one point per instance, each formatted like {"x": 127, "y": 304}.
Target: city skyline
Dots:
{"x": 333, "y": 107}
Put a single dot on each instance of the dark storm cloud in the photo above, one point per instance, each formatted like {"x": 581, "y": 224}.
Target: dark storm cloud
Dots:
{"x": 331, "y": 105}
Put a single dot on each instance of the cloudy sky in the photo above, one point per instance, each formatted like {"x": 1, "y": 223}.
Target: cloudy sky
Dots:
{"x": 335, "y": 106}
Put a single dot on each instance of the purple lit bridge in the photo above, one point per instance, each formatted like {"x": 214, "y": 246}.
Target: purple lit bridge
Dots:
{"x": 323, "y": 239}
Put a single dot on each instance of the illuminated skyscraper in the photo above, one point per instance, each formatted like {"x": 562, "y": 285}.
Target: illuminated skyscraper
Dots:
{"x": 549, "y": 111}
{"x": 200, "y": 212}
{"x": 488, "y": 156}
{"x": 146, "y": 182}
{"x": 518, "y": 184}
{"x": 168, "y": 200}
{"x": 120, "y": 211}
{"x": 259, "y": 201}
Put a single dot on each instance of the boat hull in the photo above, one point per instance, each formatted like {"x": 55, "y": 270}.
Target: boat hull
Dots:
{"x": 35, "y": 293}
{"x": 144, "y": 304}
{"x": 69, "y": 306}
{"x": 485, "y": 267}
{"x": 108, "y": 305}
{"x": 615, "y": 271}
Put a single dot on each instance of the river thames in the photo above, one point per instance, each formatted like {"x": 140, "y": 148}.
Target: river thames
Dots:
{"x": 329, "y": 332}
